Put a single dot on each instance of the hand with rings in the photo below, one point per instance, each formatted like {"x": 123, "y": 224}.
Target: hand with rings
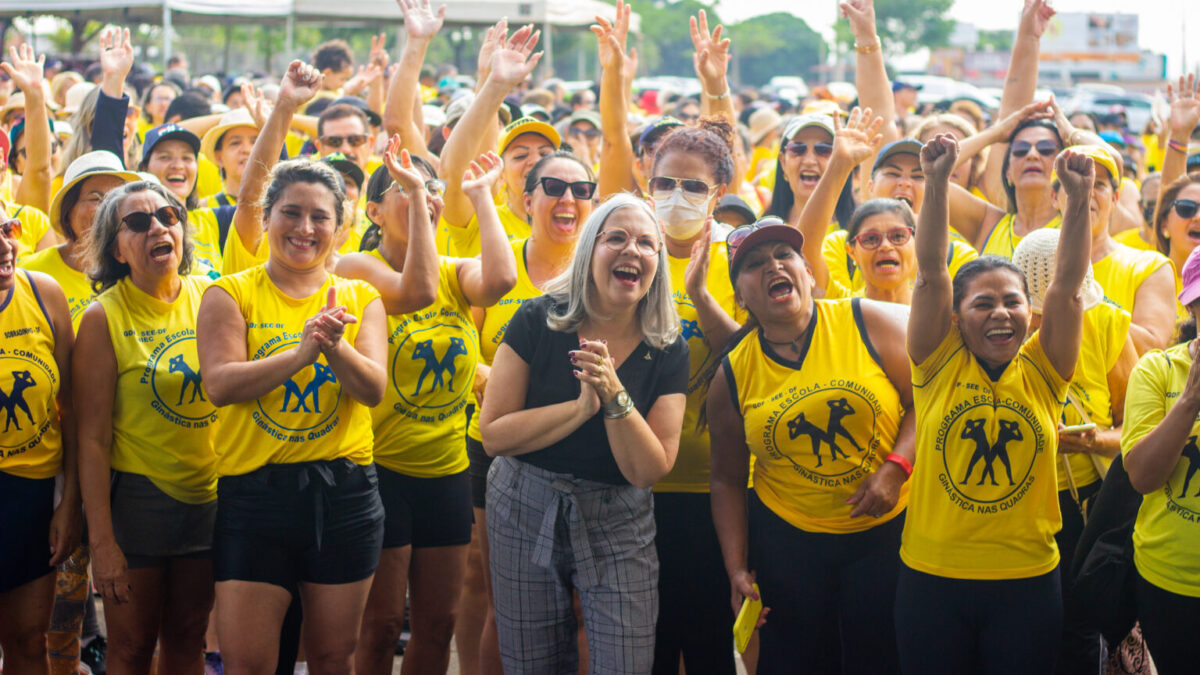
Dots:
{"x": 595, "y": 367}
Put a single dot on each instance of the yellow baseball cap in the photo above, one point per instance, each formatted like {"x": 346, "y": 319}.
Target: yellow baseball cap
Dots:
{"x": 529, "y": 125}
{"x": 1101, "y": 157}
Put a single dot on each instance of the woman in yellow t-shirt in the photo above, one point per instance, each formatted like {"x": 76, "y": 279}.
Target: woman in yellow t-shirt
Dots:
{"x": 420, "y": 432}
{"x": 38, "y": 443}
{"x": 979, "y": 587}
{"x": 818, "y": 391}
{"x": 144, "y": 419}
{"x": 1176, "y": 219}
{"x": 294, "y": 358}
{"x": 1162, "y": 423}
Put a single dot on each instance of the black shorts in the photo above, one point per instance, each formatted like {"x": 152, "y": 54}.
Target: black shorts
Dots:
{"x": 151, "y": 527}
{"x": 425, "y": 512}
{"x": 480, "y": 463}
{"x": 318, "y": 522}
{"x": 27, "y": 504}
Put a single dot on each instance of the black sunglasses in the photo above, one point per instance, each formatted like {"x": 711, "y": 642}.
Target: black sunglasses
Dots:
{"x": 1044, "y": 147}
{"x": 11, "y": 228}
{"x": 800, "y": 148}
{"x": 586, "y": 133}
{"x": 556, "y": 187}
{"x": 353, "y": 140}
{"x": 138, "y": 222}
{"x": 1185, "y": 208}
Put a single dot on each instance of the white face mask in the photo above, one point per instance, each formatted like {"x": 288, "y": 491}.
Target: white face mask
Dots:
{"x": 680, "y": 218}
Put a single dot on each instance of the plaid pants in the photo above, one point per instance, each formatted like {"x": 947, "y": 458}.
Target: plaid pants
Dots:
{"x": 550, "y": 534}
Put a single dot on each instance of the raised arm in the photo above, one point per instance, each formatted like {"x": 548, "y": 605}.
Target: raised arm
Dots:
{"x": 933, "y": 298}
{"x": 108, "y": 125}
{"x": 1185, "y": 115}
{"x": 1022, "y": 78}
{"x": 854, "y": 143}
{"x": 299, "y": 84}
{"x": 870, "y": 75}
{"x": 404, "y": 91}
{"x": 1062, "y": 311}
{"x": 26, "y": 72}
{"x": 511, "y": 64}
{"x": 711, "y": 60}
{"x": 617, "y": 70}
{"x": 486, "y": 279}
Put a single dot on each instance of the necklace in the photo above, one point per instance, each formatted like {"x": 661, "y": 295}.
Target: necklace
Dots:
{"x": 794, "y": 343}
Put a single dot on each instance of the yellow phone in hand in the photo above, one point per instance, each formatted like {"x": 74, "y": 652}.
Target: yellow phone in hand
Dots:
{"x": 747, "y": 618}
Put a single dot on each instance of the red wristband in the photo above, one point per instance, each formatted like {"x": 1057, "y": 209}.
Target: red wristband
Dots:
{"x": 901, "y": 462}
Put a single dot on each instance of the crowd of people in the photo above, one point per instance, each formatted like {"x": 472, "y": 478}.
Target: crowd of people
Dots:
{"x": 563, "y": 381}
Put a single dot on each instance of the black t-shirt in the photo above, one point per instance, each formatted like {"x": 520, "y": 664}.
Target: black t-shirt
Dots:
{"x": 646, "y": 374}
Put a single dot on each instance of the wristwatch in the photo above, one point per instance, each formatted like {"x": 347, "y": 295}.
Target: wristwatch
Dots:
{"x": 619, "y": 407}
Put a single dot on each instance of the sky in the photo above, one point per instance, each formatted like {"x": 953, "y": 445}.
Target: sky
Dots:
{"x": 1159, "y": 23}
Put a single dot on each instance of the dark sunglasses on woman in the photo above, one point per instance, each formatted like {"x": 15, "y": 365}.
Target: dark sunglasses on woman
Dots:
{"x": 138, "y": 222}
{"x": 1185, "y": 208}
{"x": 800, "y": 148}
{"x": 1044, "y": 147}
{"x": 11, "y": 228}
{"x": 556, "y": 187}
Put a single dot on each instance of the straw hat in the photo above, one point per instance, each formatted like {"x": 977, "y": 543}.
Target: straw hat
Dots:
{"x": 239, "y": 117}
{"x": 762, "y": 122}
{"x": 1035, "y": 256}
{"x": 75, "y": 96}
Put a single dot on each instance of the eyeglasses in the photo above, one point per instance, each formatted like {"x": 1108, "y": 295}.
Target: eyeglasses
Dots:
{"x": 739, "y": 234}
{"x": 1044, "y": 147}
{"x": 1185, "y": 208}
{"x": 687, "y": 117}
{"x": 335, "y": 142}
{"x": 694, "y": 190}
{"x": 869, "y": 241}
{"x": 138, "y": 222}
{"x": 800, "y": 148}
{"x": 617, "y": 239}
{"x": 586, "y": 133}
{"x": 11, "y": 228}
{"x": 556, "y": 187}
{"x": 434, "y": 188}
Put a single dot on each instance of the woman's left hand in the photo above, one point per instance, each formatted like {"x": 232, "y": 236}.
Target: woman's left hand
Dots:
{"x": 66, "y": 528}
{"x": 594, "y": 366}
{"x": 879, "y": 492}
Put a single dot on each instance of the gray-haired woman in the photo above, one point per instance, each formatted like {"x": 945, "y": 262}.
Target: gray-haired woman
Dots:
{"x": 569, "y": 505}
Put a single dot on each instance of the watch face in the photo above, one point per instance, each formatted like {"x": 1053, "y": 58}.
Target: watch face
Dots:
{"x": 623, "y": 399}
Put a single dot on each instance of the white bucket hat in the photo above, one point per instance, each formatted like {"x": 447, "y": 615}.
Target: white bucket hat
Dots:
{"x": 1035, "y": 256}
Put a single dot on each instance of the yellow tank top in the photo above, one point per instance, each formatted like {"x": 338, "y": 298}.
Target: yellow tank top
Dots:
{"x": 34, "y": 225}
{"x": 817, "y": 427}
{"x": 1122, "y": 272}
{"x": 984, "y": 500}
{"x": 31, "y": 442}
{"x": 75, "y": 284}
{"x": 463, "y": 242}
{"x": 420, "y": 426}
{"x": 206, "y": 238}
{"x": 310, "y": 417}
{"x": 495, "y": 321}
{"x": 843, "y": 271}
{"x": 1166, "y": 536}
{"x": 208, "y": 178}
{"x": 1002, "y": 240}
{"x": 162, "y": 422}
{"x": 690, "y": 473}
{"x": 1104, "y": 331}
{"x": 1133, "y": 239}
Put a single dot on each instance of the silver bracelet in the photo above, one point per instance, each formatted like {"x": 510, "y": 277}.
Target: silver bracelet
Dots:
{"x": 718, "y": 97}
{"x": 618, "y": 408}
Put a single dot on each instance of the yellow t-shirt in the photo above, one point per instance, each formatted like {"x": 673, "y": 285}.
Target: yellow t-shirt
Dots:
{"x": 463, "y": 242}
{"x": 420, "y": 426}
{"x": 34, "y": 225}
{"x": 75, "y": 284}
{"x": 31, "y": 442}
{"x": 310, "y": 417}
{"x": 844, "y": 272}
{"x": 1166, "y": 535}
{"x": 1105, "y": 328}
{"x": 1133, "y": 239}
{"x": 1122, "y": 272}
{"x": 1002, "y": 240}
{"x": 206, "y": 238}
{"x": 162, "y": 423}
{"x": 690, "y": 473}
{"x": 818, "y": 426}
{"x": 220, "y": 198}
{"x": 496, "y": 318}
{"x": 237, "y": 258}
{"x": 208, "y": 178}
{"x": 984, "y": 500}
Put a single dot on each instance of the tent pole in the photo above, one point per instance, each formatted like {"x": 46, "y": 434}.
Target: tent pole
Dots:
{"x": 548, "y": 47}
{"x": 291, "y": 36}
{"x": 166, "y": 21}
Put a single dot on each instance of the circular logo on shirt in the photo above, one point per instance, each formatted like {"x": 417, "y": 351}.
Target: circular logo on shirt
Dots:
{"x": 26, "y": 385}
{"x": 1184, "y": 485}
{"x": 813, "y": 431}
{"x": 174, "y": 374}
{"x": 310, "y": 397}
{"x": 988, "y": 453}
{"x": 432, "y": 366}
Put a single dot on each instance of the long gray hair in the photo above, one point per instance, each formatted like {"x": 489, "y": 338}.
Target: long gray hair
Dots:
{"x": 574, "y": 287}
{"x": 104, "y": 269}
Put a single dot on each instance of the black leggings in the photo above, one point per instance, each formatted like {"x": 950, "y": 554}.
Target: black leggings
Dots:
{"x": 1081, "y": 651}
{"x": 1169, "y": 622}
{"x": 976, "y": 626}
{"x": 820, "y": 586}
{"x": 694, "y": 615}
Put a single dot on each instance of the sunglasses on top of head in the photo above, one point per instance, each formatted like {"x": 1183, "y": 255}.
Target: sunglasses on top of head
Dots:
{"x": 1044, "y": 147}
{"x": 138, "y": 222}
{"x": 557, "y": 187}
{"x": 739, "y": 234}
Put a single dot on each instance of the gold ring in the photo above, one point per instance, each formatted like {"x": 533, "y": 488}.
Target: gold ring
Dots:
{"x": 600, "y": 369}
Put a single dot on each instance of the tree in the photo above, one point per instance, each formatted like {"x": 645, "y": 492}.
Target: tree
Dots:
{"x": 906, "y": 26}
{"x": 997, "y": 40}
{"x": 773, "y": 44}
{"x": 665, "y": 47}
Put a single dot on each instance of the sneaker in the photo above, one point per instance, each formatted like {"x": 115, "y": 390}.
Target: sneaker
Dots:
{"x": 213, "y": 664}
{"x": 94, "y": 655}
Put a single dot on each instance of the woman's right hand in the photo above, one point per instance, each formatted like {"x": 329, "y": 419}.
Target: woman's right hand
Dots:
{"x": 742, "y": 586}
{"x": 480, "y": 177}
{"x": 859, "y": 138}
{"x": 1038, "y": 110}
{"x": 116, "y": 52}
{"x": 323, "y": 332}
{"x": 400, "y": 168}
{"x": 299, "y": 84}
{"x": 110, "y": 571}
{"x": 1185, "y": 107}
{"x": 420, "y": 21}
{"x": 937, "y": 159}
{"x": 514, "y": 61}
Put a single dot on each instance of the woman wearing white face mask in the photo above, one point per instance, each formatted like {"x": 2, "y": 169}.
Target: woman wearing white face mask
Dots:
{"x": 691, "y": 172}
